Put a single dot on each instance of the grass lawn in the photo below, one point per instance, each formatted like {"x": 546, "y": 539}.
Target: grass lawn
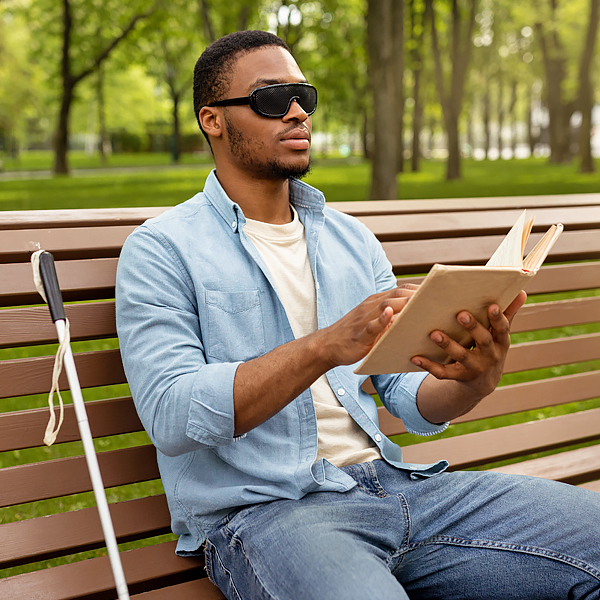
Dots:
{"x": 339, "y": 179}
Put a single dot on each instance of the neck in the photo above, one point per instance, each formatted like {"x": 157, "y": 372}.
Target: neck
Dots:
{"x": 263, "y": 200}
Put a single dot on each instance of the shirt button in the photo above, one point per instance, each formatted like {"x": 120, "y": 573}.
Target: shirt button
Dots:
{"x": 378, "y": 438}
{"x": 233, "y": 225}
{"x": 341, "y": 392}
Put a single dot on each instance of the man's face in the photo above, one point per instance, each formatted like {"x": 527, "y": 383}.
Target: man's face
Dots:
{"x": 267, "y": 148}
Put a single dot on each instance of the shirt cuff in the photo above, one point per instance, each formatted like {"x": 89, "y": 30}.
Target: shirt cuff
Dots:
{"x": 413, "y": 420}
{"x": 211, "y": 415}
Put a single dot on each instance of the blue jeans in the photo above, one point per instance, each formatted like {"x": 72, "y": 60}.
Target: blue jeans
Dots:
{"x": 456, "y": 535}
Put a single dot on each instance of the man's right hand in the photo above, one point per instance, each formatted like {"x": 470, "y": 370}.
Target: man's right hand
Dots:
{"x": 351, "y": 338}
{"x": 264, "y": 385}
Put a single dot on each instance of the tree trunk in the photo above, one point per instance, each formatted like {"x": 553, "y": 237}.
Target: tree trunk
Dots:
{"x": 500, "y": 112}
{"x": 398, "y": 61}
{"x": 417, "y": 121}
{"x": 531, "y": 139}
{"x": 417, "y": 69}
{"x": 61, "y": 137}
{"x": 69, "y": 81}
{"x": 586, "y": 91}
{"x": 364, "y": 135}
{"x": 453, "y": 165}
{"x": 460, "y": 55}
{"x": 554, "y": 59}
{"x": 382, "y": 76}
{"x": 101, "y": 116}
{"x": 513, "y": 117}
{"x": 486, "y": 118}
{"x": 176, "y": 147}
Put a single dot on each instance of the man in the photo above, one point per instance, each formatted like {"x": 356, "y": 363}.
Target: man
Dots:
{"x": 241, "y": 314}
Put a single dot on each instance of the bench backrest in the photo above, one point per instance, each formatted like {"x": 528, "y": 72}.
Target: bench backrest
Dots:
{"x": 36, "y": 481}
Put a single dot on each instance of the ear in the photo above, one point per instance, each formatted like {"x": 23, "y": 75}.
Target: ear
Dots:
{"x": 211, "y": 120}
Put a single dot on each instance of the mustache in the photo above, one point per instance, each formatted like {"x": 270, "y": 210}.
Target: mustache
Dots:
{"x": 299, "y": 127}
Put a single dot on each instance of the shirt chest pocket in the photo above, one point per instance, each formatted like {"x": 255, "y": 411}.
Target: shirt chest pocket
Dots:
{"x": 235, "y": 329}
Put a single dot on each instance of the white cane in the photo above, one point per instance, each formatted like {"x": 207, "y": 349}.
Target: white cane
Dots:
{"x": 43, "y": 266}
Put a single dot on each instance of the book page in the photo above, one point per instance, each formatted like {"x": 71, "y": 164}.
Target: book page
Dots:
{"x": 539, "y": 253}
{"x": 510, "y": 252}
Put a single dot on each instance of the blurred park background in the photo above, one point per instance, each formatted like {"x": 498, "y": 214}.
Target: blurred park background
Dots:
{"x": 417, "y": 98}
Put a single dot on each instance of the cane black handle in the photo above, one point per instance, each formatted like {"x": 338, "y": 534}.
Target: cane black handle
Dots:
{"x": 51, "y": 287}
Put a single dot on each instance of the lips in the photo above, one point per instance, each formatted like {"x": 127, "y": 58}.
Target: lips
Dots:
{"x": 296, "y": 134}
{"x": 296, "y": 139}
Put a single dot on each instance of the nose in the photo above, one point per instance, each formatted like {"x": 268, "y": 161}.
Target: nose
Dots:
{"x": 295, "y": 113}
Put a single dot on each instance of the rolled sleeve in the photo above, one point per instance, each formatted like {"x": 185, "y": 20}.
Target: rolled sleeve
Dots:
{"x": 211, "y": 416}
{"x": 399, "y": 395}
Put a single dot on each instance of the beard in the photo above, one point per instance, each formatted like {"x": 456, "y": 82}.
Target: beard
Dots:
{"x": 241, "y": 146}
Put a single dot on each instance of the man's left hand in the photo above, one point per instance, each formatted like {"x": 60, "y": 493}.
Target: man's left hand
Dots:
{"x": 476, "y": 371}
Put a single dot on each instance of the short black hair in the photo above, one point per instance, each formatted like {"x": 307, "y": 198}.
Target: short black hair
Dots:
{"x": 214, "y": 68}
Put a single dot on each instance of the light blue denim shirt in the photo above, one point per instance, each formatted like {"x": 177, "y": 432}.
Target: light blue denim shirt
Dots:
{"x": 194, "y": 300}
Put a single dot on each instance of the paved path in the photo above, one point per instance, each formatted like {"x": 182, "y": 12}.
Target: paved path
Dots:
{"x": 18, "y": 175}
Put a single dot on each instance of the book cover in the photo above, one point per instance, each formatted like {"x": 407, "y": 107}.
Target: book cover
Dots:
{"x": 450, "y": 289}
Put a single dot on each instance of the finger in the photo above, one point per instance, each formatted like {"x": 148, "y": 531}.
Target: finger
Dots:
{"x": 515, "y": 305}
{"x": 481, "y": 335}
{"x": 408, "y": 286}
{"x": 439, "y": 371}
{"x": 376, "y": 327}
{"x": 452, "y": 348}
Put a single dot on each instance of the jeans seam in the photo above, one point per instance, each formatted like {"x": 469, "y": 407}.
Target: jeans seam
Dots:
{"x": 397, "y": 557}
{"x": 508, "y": 547}
{"x": 211, "y": 554}
{"x": 251, "y": 567}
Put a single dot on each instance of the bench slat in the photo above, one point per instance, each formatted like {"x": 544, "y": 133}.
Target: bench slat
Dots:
{"x": 64, "y": 243}
{"x": 149, "y": 567}
{"x": 594, "y": 486}
{"x": 493, "y": 222}
{"x": 519, "y": 397}
{"x": 65, "y": 476}
{"x": 563, "y": 313}
{"x": 102, "y": 217}
{"x": 390, "y": 207}
{"x": 44, "y": 538}
{"x": 482, "y": 447}
{"x": 418, "y": 256}
{"x": 24, "y": 376}
{"x": 92, "y": 279}
{"x": 32, "y": 325}
{"x": 192, "y": 590}
{"x": 573, "y": 466}
{"x": 90, "y": 242}
{"x": 551, "y": 353}
{"x": 95, "y": 279}
{"x": 25, "y": 429}
{"x": 552, "y": 278}
{"x": 79, "y": 217}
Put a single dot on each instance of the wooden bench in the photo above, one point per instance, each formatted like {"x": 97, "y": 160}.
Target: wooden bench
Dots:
{"x": 47, "y": 514}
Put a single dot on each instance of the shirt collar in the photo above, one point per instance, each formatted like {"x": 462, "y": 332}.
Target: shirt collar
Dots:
{"x": 301, "y": 195}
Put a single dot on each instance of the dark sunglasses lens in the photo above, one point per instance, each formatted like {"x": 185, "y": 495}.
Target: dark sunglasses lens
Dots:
{"x": 275, "y": 100}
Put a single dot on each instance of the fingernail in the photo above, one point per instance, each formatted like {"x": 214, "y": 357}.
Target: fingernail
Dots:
{"x": 464, "y": 319}
{"x": 416, "y": 361}
{"x": 437, "y": 337}
{"x": 495, "y": 311}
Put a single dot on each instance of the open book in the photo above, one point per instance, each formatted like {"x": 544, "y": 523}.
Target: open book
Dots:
{"x": 450, "y": 289}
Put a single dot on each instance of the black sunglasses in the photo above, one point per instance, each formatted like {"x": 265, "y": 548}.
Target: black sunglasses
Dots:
{"x": 275, "y": 100}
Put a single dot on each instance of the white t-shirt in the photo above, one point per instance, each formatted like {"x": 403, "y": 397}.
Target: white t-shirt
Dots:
{"x": 283, "y": 249}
